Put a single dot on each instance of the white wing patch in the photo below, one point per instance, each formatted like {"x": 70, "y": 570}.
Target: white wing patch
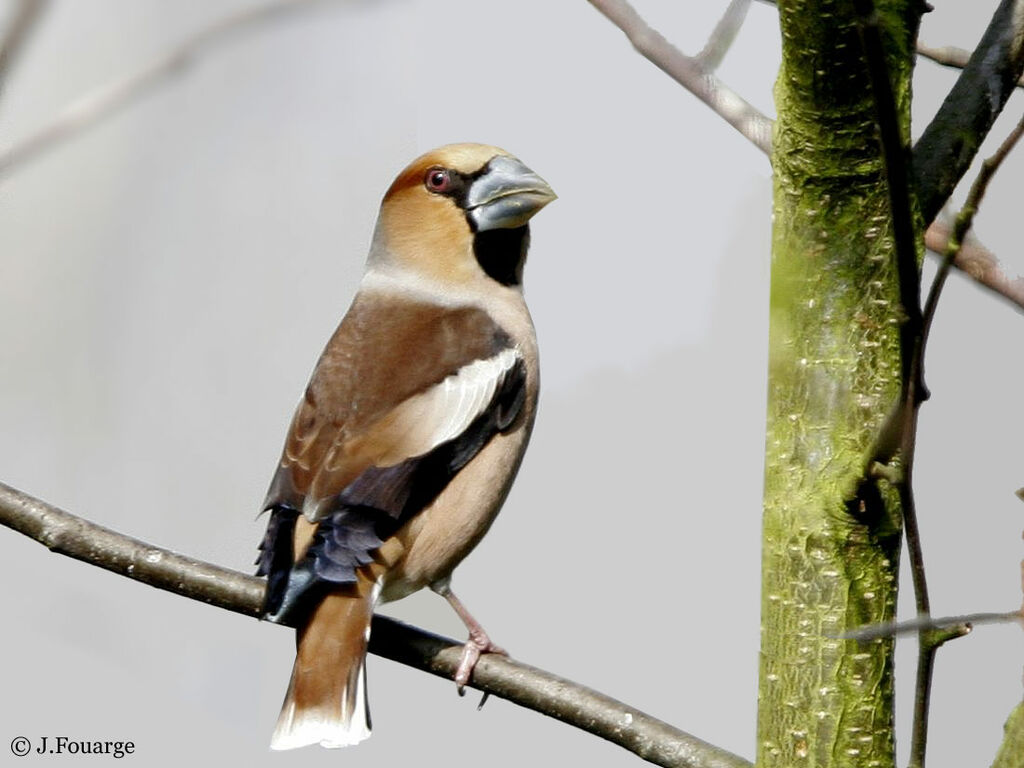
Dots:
{"x": 443, "y": 412}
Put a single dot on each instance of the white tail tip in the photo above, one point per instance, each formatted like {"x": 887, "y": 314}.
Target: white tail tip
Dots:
{"x": 331, "y": 728}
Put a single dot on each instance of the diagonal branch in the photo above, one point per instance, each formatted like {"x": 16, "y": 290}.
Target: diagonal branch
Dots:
{"x": 722, "y": 36}
{"x": 951, "y": 56}
{"x": 650, "y": 738}
{"x": 948, "y": 145}
{"x": 913, "y": 332}
{"x": 688, "y": 72}
{"x": 16, "y": 34}
{"x": 954, "y": 625}
{"x": 904, "y": 423}
{"x": 976, "y": 261}
{"x": 100, "y": 104}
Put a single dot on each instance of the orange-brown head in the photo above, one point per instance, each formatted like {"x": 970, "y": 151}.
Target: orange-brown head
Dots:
{"x": 459, "y": 212}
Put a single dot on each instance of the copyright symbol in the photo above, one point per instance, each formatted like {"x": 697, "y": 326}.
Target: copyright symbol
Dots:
{"x": 20, "y": 746}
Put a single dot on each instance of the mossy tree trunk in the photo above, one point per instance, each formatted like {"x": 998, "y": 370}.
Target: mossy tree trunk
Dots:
{"x": 830, "y": 558}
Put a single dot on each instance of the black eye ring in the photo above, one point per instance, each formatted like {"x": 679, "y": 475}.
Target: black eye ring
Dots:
{"x": 437, "y": 180}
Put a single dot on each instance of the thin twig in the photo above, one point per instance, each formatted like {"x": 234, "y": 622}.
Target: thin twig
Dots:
{"x": 905, "y": 422}
{"x": 913, "y": 390}
{"x": 103, "y": 102}
{"x": 17, "y": 32}
{"x": 914, "y": 338}
{"x": 896, "y": 154}
{"x": 650, "y": 738}
{"x": 963, "y": 223}
{"x": 957, "y": 625}
{"x": 723, "y": 35}
{"x": 951, "y": 56}
{"x": 976, "y": 261}
{"x": 688, "y": 72}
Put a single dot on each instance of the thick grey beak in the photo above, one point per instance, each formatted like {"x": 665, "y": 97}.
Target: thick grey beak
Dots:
{"x": 507, "y": 195}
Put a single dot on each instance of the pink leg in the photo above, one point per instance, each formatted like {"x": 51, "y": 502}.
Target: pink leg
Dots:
{"x": 477, "y": 643}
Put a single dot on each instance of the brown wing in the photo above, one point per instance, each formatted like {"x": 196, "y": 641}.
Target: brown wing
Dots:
{"x": 359, "y": 472}
{"x": 385, "y": 351}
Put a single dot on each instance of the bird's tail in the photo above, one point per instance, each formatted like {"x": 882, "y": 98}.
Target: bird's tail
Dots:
{"x": 326, "y": 699}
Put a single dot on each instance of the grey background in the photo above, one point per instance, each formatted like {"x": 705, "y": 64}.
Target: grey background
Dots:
{"x": 169, "y": 278}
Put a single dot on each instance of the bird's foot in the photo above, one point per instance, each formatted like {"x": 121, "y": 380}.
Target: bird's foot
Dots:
{"x": 477, "y": 644}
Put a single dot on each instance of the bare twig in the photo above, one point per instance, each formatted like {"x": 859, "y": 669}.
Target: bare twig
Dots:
{"x": 722, "y": 36}
{"x": 17, "y": 32}
{"x": 688, "y": 72}
{"x": 905, "y": 424}
{"x": 912, "y": 332}
{"x": 895, "y": 152}
{"x": 955, "y": 625}
{"x": 653, "y": 740}
{"x": 963, "y": 223}
{"x": 976, "y": 261}
{"x": 948, "y": 145}
{"x": 94, "y": 107}
{"x": 951, "y": 56}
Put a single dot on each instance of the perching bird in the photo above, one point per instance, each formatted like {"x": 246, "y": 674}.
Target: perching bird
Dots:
{"x": 411, "y": 430}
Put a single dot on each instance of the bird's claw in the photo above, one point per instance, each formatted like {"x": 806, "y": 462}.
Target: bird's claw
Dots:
{"x": 477, "y": 644}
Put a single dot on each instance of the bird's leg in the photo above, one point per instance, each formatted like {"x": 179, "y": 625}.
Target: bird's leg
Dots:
{"x": 477, "y": 643}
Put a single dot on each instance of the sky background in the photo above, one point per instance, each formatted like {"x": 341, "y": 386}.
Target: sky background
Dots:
{"x": 170, "y": 277}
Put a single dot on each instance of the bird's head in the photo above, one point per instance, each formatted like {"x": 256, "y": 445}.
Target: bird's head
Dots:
{"x": 460, "y": 213}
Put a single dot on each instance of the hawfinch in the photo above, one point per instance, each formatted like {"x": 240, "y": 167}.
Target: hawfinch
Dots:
{"x": 410, "y": 432}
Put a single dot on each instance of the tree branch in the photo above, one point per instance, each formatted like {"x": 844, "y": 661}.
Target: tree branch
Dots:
{"x": 948, "y": 145}
{"x": 650, "y": 738}
{"x": 955, "y": 626}
{"x": 912, "y": 338}
{"x": 976, "y": 261}
{"x": 103, "y": 102}
{"x": 688, "y": 72}
{"x": 951, "y": 56}
{"x": 16, "y": 34}
{"x": 722, "y": 36}
{"x": 904, "y": 423}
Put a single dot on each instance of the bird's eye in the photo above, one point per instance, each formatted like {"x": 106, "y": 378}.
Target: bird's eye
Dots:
{"x": 438, "y": 180}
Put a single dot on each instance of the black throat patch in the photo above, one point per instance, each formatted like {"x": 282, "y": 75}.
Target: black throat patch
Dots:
{"x": 502, "y": 252}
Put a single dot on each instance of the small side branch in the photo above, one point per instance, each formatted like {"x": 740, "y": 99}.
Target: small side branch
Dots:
{"x": 976, "y": 261}
{"x": 930, "y": 637}
{"x": 913, "y": 391}
{"x": 949, "y": 627}
{"x": 19, "y": 28}
{"x": 951, "y": 56}
{"x": 896, "y": 155}
{"x": 721, "y": 39}
{"x": 688, "y": 72}
{"x": 963, "y": 222}
{"x": 650, "y": 738}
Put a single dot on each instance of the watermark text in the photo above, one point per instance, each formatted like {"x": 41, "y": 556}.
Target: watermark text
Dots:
{"x": 65, "y": 745}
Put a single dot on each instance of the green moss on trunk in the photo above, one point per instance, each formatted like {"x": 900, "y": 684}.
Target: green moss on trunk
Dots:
{"x": 1011, "y": 752}
{"x": 830, "y": 564}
